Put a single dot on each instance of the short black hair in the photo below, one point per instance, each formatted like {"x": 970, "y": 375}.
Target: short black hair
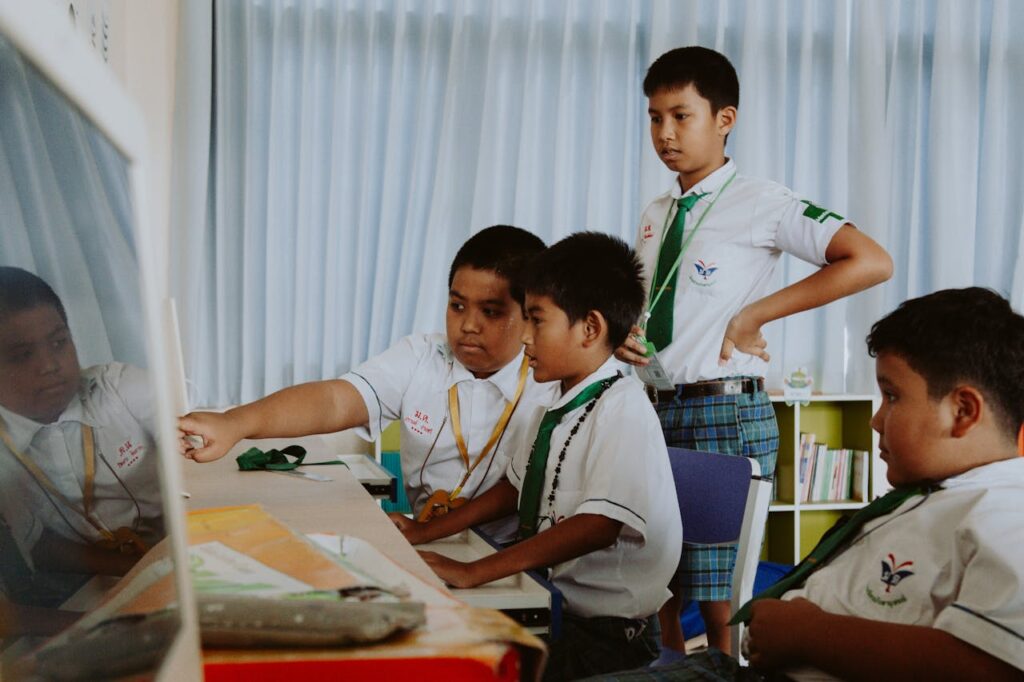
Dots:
{"x": 958, "y": 336}
{"x": 502, "y": 249}
{"x": 710, "y": 73}
{"x": 21, "y": 290}
{"x": 591, "y": 271}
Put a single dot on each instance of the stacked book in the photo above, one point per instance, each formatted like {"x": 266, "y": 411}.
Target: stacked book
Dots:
{"x": 831, "y": 475}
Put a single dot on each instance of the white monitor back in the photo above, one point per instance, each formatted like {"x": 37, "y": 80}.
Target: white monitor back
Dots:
{"x": 100, "y": 265}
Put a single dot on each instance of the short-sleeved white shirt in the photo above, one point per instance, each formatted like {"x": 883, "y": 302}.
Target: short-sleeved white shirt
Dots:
{"x": 729, "y": 263}
{"x": 616, "y": 466}
{"x": 115, "y": 400}
{"x": 952, "y": 561}
{"x": 410, "y": 381}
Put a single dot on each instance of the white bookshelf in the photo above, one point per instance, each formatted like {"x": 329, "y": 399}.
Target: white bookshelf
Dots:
{"x": 841, "y": 421}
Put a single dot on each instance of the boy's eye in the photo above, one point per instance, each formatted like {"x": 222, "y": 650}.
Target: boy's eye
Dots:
{"x": 889, "y": 397}
{"x": 492, "y": 312}
{"x": 655, "y": 119}
{"x": 456, "y": 306}
{"x": 680, "y": 117}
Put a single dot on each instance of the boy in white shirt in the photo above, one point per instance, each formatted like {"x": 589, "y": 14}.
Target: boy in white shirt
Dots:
{"x": 462, "y": 398}
{"x": 709, "y": 248}
{"x": 925, "y": 583}
{"x": 595, "y": 496}
{"x": 78, "y": 467}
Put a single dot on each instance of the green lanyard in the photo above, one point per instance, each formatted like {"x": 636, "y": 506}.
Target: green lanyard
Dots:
{"x": 682, "y": 250}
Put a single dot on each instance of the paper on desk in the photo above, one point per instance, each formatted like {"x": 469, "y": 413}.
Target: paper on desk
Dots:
{"x": 215, "y": 567}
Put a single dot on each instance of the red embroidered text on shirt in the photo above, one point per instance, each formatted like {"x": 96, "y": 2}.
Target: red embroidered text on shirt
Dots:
{"x": 419, "y": 422}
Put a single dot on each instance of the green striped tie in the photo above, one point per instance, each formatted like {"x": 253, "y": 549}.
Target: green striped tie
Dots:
{"x": 533, "y": 481}
{"x": 659, "y": 326}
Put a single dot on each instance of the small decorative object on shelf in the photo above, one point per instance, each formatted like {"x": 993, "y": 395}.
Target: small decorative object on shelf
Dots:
{"x": 798, "y": 387}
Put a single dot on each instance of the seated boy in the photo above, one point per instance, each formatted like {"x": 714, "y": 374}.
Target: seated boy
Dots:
{"x": 595, "y": 496}
{"x": 78, "y": 480}
{"x": 462, "y": 399}
{"x": 925, "y": 582}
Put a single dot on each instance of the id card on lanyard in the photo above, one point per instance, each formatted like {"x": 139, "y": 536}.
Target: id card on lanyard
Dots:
{"x": 654, "y": 373}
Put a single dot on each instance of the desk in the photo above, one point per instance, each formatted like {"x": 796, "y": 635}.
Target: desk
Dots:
{"x": 459, "y": 642}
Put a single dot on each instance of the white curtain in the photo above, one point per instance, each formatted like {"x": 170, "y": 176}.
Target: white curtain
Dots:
{"x": 65, "y": 213}
{"x": 353, "y": 145}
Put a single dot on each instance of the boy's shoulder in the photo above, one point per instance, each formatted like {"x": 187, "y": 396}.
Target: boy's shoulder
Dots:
{"x": 625, "y": 403}
{"x": 741, "y": 189}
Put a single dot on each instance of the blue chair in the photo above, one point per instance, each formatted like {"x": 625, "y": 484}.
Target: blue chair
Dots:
{"x": 723, "y": 499}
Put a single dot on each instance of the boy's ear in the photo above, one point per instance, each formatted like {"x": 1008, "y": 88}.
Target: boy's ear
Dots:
{"x": 725, "y": 119}
{"x": 968, "y": 408}
{"x": 595, "y": 328}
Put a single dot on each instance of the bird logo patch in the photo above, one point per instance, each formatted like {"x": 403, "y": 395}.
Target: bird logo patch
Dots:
{"x": 893, "y": 573}
{"x": 703, "y": 274}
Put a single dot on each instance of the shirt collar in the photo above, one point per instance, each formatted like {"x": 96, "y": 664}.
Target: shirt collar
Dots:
{"x": 709, "y": 185}
{"x": 24, "y": 430}
{"x": 609, "y": 369}
{"x": 988, "y": 474}
{"x": 505, "y": 379}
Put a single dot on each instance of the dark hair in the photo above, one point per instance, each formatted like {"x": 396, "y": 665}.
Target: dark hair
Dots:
{"x": 21, "y": 290}
{"x": 591, "y": 271}
{"x": 502, "y": 249}
{"x": 960, "y": 335}
{"x": 708, "y": 71}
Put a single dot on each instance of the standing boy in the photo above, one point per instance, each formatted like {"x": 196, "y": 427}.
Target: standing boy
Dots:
{"x": 462, "y": 399}
{"x": 595, "y": 497}
{"x": 709, "y": 248}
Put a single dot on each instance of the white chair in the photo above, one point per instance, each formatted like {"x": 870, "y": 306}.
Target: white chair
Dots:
{"x": 723, "y": 499}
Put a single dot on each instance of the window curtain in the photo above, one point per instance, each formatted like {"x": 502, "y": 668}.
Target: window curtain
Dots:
{"x": 65, "y": 213}
{"x": 343, "y": 150}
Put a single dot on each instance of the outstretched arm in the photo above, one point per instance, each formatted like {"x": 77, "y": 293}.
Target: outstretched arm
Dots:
{"x": 316, "y": 407}
{"x": 791, "y": 633}
{"x": 496, "y": 503}
{"x": 855, "y": 262}
{"x": 577, "y": 535}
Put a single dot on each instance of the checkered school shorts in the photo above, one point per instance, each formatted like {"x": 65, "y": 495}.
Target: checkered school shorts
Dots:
{"x": 730, "y": 424}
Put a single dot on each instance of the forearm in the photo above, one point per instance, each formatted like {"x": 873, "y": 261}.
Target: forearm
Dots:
{"x": 855, "y": 262}
{"x": 316, "y": 407}
{"x": 55, "y": 553}
{"x": 578, "y": 535}
{"x": 496, "y": 503}
{"x": 896, "y": 652}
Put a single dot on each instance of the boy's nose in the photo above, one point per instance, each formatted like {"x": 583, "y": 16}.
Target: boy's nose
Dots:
{"x": 876, "y": 420}
{"x": 471, "y": 323}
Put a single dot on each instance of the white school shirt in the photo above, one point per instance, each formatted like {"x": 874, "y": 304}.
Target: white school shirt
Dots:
{"x": 953, "y": 560}
{"x": 616, "y": 466}
{"x": 410, "y": 381}
{"x": 728, "y": 264}
{"x": 116, "y": 401}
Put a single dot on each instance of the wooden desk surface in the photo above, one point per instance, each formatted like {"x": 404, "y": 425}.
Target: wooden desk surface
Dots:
{"x": 339, "y": 506}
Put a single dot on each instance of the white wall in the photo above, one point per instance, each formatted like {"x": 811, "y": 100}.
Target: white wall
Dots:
{"x": 142, "y": 55}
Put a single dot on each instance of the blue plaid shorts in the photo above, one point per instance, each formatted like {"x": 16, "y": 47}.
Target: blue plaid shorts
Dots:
{"x": 733, "y": 425}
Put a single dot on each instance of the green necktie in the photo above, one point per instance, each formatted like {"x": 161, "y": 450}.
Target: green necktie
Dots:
{"x": 659, "y": 326}
{"x": 533, "y": 481}
{"x": 827, "y": 548}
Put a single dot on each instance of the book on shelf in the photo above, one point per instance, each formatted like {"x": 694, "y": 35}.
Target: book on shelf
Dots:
{"x": 831, "y": 474}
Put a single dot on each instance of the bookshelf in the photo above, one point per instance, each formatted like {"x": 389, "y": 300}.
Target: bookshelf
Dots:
{"x": 841, "y": 421}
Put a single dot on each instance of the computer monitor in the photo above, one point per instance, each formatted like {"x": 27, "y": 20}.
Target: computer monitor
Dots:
{"x": 74, "y": 216}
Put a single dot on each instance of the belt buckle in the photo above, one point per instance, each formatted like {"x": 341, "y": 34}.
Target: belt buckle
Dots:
{"x": 732, "y": 387}
{"x": 652, "y": 393}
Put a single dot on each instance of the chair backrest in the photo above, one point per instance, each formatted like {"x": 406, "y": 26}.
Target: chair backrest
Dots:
{"x": 722, "y": 498}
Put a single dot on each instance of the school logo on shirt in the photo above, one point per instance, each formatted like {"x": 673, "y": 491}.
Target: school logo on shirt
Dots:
{"x": 704, "y": 274}
{"x": 419, "y": 422}
{"x": 128, "y": 453}
{"x": 893, "y": 573}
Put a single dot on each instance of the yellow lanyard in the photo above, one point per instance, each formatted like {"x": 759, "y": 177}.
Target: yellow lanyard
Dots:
{"x": 499, "y": 428}
{"x": 89, "y": 456}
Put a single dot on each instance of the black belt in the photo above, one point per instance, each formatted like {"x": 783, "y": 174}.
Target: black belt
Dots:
{"x": 703, "y": 389}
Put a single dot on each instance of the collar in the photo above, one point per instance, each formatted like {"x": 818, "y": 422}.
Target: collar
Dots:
{"x": 989, "y": 475}
{"x": 24, "y": 430}
{"x": 709, "y": 185}
{"x": 505, "y": 379}
{"x": 608, "y": 369}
